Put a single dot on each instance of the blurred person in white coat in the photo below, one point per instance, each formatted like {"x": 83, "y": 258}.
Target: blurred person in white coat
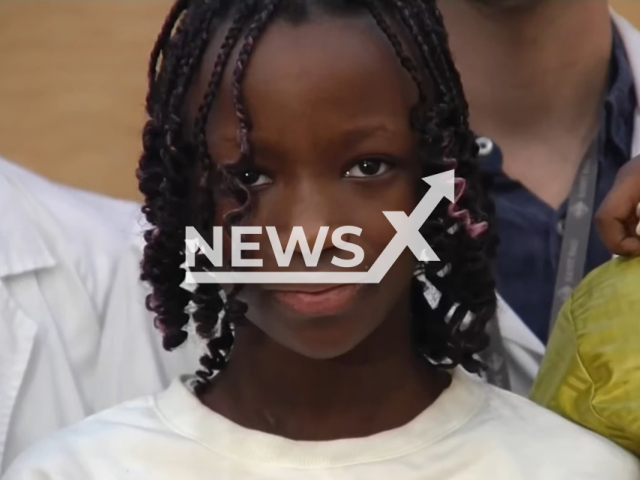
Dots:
{"x": 553, "y": 90}
{"x": 75, "y": 336}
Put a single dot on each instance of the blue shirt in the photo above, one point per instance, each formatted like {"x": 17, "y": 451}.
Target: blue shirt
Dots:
{"x": 529, "y": 230}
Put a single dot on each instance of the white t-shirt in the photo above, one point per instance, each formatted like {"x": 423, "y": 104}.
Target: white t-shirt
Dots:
{"x": 472, "y": 432}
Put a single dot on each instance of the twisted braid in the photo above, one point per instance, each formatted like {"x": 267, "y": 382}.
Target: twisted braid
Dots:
{"x": 420, "y": 17}
{"x": 165, "y": 170}
{"x": 255, "y": 30}
{"x": 461, "y": 346}
{"x": 165, "y": 33}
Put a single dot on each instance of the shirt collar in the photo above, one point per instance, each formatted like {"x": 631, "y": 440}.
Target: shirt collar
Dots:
{"x": 22, "y": 246}
{"x": 183, "y": 412}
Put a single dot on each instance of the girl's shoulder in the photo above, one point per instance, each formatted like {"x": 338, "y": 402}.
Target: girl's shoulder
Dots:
{"x": 531, "y": 434}
{"x": 109, "y": 440}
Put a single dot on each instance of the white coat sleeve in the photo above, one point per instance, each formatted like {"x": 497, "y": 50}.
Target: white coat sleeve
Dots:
{"x": 132, "y": 362}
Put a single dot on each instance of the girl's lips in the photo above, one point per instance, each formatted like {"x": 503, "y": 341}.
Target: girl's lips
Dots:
{"x": 330, "y": 301}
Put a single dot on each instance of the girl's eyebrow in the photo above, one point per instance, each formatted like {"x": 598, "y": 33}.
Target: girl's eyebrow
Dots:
{"x": 358, "y": 133}
{"x": 353, "y": 134}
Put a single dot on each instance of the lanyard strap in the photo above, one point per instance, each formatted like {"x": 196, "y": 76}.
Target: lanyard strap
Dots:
{"x": 577, "y": 226}
{"x": 573, "y": 255}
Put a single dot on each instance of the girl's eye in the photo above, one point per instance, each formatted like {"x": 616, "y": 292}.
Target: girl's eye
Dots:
{"x": 370, "y": 167}
{"x": 253, "y": 178}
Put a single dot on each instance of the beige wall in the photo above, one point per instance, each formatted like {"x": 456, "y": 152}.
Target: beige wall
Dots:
{"x": 629, "y": 9}
{"x": 72, "y": 84}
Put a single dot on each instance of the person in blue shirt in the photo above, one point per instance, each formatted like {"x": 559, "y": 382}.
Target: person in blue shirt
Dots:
{"x": 542, "y": 92}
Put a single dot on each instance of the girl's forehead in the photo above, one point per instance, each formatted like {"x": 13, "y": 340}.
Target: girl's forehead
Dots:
{"x": 331, "y": 57}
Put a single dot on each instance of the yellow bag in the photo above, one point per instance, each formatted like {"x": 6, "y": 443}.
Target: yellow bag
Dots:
{"x": 591, "y": 371}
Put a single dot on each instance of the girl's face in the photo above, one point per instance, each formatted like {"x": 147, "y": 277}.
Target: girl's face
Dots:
{"x": 332, "y": 146}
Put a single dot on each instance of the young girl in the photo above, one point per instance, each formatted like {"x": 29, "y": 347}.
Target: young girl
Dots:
{"x": 318, "y": 113}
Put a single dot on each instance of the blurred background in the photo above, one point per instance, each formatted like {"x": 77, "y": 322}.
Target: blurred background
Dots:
{"x": 72, "y": 86}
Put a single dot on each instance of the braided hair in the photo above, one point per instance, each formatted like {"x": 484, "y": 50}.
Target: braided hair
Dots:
{"x": 175, "y": 175}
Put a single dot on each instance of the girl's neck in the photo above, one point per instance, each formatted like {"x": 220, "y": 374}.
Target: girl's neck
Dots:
{"x": 379, "y": 385}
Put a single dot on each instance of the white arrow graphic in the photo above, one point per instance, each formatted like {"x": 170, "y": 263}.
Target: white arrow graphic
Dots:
{"x": 407, "y": 235}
